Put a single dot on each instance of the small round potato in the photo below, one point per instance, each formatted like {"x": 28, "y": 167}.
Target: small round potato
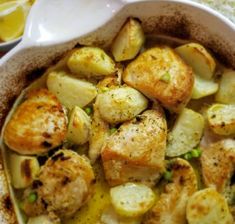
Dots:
{"x": 121, "y": 104}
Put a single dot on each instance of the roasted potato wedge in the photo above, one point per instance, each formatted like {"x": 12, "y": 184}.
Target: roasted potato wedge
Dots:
{"x": 218, "y": 164}
{"x": 198, "y": 58}
{"x": 186, "y": 133}
{"x": 221, "y": 119}
{"x": 161, "y": 74}
{"x": 69, "y": 90}
{"x": 207, "y": 206}
{"x": 98, "y": 135}
{"x": 128, "y": 42}
{"x": 120, "y": 104}
{"x": 38, "y": 125}
{"x": 24, "y": 170}
{"x": 171, "y": 206}
{"x": 135, "y": 152}
{"x": 226, "y": 88}
{"x": 79, "y": 126}
{"x": 90, "y": 62}
{"x": 131, "y": 199}
{"x": 203, "y": 87}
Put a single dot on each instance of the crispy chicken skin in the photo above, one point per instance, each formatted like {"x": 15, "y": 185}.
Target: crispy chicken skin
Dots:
{"x": 161, "y": 74}
{"x": 136, "y": 151}
{"x": 218, "y": 164}
{"x": 170, "y": 208}
{"x": 38, "y": 125}
{"x": 66, "y": 182}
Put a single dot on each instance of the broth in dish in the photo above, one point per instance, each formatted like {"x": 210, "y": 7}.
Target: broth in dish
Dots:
{"x": 140, "y": 133}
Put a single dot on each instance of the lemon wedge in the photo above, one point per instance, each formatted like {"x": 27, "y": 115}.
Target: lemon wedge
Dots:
{"x": 12, "y": 19}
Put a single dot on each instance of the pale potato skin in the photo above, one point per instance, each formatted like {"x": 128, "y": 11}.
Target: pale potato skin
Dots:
{"x": 171, "y": 206}
{"x": 90, "y": 62}
{"x": 120, "y": 104}
{"x": 38, "y": 124}
{"x": 226, "y": 88}
{"x": 67, "y": 181}
{"x": 145, "y": 74}
{"x": 98, "y": 135}
{"x": 196, "y": 56}
{"x": 208, "y": 206}
{"x": 129, "y": 41}
{"x": 217, "y": 164}
{"x": 79, "y": 126}
{"x": 221, "y": 119}
{"x": 135, "y": 152}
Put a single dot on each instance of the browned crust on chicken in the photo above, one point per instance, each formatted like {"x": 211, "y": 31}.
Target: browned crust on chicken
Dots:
{"x": 171, "y": 207}
{"x": 146, "y": 75}
{"x": 38, "y": 124}
{"x": 137, "y": 150}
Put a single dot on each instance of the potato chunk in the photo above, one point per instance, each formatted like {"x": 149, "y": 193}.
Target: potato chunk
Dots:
{"x": 79, "y": 126}
{"x": 227, "y": 88}
{"x": 171, "y": 206}
{"x": 90, "y": 62}
{"x": 128, "y": 42}
{"x": 186, "y": 133}
{"x": 135, "y": 152}
{"x": 42, "y": 219}
{"x": 120, "y": 104}
{"x": 203, "y": 87}
{"x": 38, "y": 125}
{"x": 221, "y": 119}
{"x": 70, "y": 90}
{"x": 161, "y": 74}
{"x": 208, "y": 206}
{"x": 198, "y": 58}
{"x": 23, "y": 169}
{"x": 98, "y": 135}
{"x": 132, "y": 199}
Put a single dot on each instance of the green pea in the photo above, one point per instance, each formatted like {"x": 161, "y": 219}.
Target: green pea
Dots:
{"x": 168, "y": 175}
{"x": 196, "y": 153}
{"x": 88, "y": 110}
{"x": 32, "y": 197}
{"x": 188, "y": 156}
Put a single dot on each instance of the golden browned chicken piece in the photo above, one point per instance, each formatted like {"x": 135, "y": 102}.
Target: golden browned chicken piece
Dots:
{"x": 218, "y": 164}
{"x": 38, "y": 124}
{"x": 161, "y": 74}
{"x": 171, "y": 207}
{"x": 135, "y": 152}
{"x": 66, "y": 182}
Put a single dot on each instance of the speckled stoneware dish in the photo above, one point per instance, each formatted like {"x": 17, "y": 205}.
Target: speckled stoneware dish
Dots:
{"x": 63, "y": 24}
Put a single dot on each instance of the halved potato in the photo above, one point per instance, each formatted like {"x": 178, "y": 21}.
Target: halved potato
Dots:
{"x": 227, "y": 88}
{"x": 128, "y": 42}
{"x": 161, "y": 74}
{"x": 120, "y": 104}
{"x": 69, "y": 90}
{"x": 208, "y": 206}
{"x": 23, "y": 170}
{"x": 221, "y": 118}
{"x": 186, "y": 133}
{"x": 198, "y": 58}
{"x": 203, "y": 87}
{"x": 90, "y": 62}
{"x": 132, "y": 199}
{"x": 79, "y": 126}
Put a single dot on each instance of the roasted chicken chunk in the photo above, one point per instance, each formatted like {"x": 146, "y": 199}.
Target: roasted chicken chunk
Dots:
{"x": 170, "y": 208}
{"x": 135, "y": 152}
{"x": 66, "y": 182}
{"x": 218, "y": 164}
{"x": 161, "y": 74}
{"x": 38, "y": 124}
